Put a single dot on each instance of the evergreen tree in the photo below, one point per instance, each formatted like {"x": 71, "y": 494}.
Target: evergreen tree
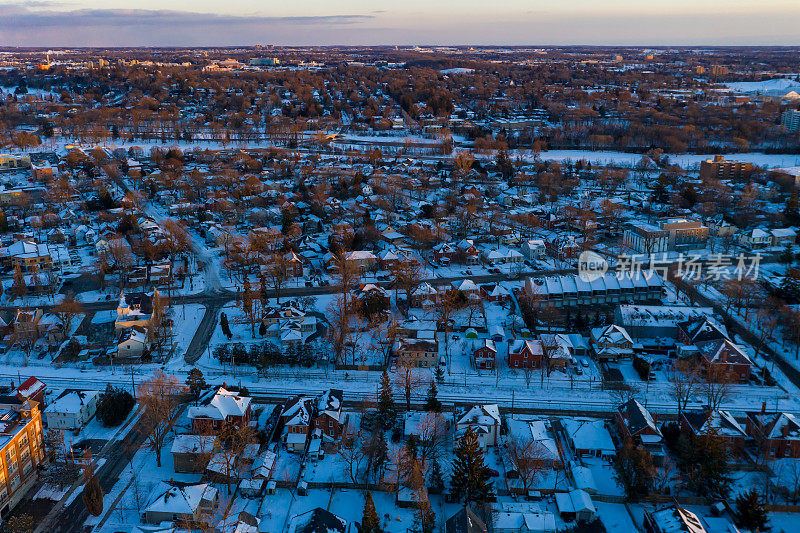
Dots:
{"x": 114, "y": 405}
{"x": 223, "y": 324}
{"x": 424, "y": 517}
{"x": 704, "y": 462}
{"x": 93, "y": 496}
{"x": 380, "y": 454}
{"x": 370, "y": 523}
{"x": 386, "y": 407}
{"x": 791, "y": 211}
{"x": 435, "y": 479}
{"x": 470, "y": 479}
{"x": 439, "y": 374}
{"x": 634, "y": 470}
{"x": 432, "y": 403}
{"x": 750, "y": 513}
{"x": 196, "y": 383}
{"x": 790, "y": 285}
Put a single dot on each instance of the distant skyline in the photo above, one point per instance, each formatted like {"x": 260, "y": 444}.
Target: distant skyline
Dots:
{"x": 361, "y": 22}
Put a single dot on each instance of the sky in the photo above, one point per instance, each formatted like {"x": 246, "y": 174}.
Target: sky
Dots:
{"x": 405, "y": 22}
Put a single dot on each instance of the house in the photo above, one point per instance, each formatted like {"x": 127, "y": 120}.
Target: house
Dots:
{"x": 71, "y": 409}
{"x": 465, "y": 521}
{"x": 571, "y": 290}
{"x": 444, "y": 253}
{"x": 483, "y": 354}
{"x": 494, "y": 292}
{"x": 468, "y": 287}
{"x": 588, "y": 437}
{"x": 26, "y": 323}
{"x": 533, "y": 249}
{"x": 525, "y": 354}
{"x": 134, "y": 309}
{"x": 778, "y": 434}
{"x": 783, "y": 236}
{"x": 297, "y": 419}
{"x": 424, "y": 292}
{"x": 611, "y": 343}
{"x": 362, "y": 260}
{"x": 714, "y": 422}
{"x": 700, "y": 330}
{"x": 484, "y": 420}
{"x": 523, "y": 518}
{"x": 418, "y": 352}
{"x": 32, "y": 389}
{"x": 330, "y": 419}
{"x": 181, "y": 503}
{"x": 191, "y": 453}
{"x": 225, "y": 407}
{"x": 320, "y": 520}
{"x": 755, "y": 238}
{"x": 467, "y": 251}
{"x": 721, "y": 357}
{"x": 652, "y": 321}
{"x": 575, "y": 505}
{"x": 131, "y": 343}
{"x": 673, "y": 519}
{"x": 636, "y": 423}
{"x": 294, "y": 264}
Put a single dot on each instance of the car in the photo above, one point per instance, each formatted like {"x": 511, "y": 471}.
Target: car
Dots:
{"x": 578, "y": 371}
{"x": 584, "y": 363}
{"x": 492, "y": 472}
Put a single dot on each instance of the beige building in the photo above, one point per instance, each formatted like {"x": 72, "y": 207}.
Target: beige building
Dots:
{"x": 22, "y": 451}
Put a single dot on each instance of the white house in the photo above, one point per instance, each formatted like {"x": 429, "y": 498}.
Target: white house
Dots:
{"x": 71, "y": 409}
{"x": 533, "y": 249}
{"x": 756, "y": 238}
{"x": 484, "y": 421}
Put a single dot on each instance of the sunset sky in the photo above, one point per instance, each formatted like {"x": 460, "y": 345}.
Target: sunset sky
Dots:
{"x": 309, "y": 22}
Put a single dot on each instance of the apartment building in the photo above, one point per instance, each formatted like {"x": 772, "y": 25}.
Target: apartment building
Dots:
{"x": 719, "y": 168}
{"x": 670, "y": 235}
{"x": 791, "y": 120}
{"x": 21, "y": 449}
{"x": 571, "y": 290}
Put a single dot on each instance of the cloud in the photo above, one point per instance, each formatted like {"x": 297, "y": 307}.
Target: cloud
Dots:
{"x": 18, "y": 16}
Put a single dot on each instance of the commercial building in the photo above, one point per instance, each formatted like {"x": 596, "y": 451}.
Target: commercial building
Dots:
{"x": 791, "y": 120}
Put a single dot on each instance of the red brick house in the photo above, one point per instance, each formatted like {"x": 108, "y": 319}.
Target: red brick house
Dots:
{"x": 525, "y": 354}
{"x": 297, "y": 420}
{"x": 722, "y": 357}
{"x": 494, "y": 292}
{"x": 444, "y": 253}
{"x": 224, "y": 408}
{"x": 329, "y": 418}
{"x": 483, "y": 354}
{"x": 714, "y": 422}
{"x": 294, "y": 264}
{"x": 699, "y": 331}
{"x": 779, "y": 433}
{"x": 32, "y": 389}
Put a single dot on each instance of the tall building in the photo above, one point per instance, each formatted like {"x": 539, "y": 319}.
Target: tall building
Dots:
{"x": 721, "y": 169}
{"x": 21, "y": 449}
{"x": 791, "y": 120}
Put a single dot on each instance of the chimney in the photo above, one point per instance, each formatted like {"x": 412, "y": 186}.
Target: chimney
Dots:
{"x": 718, "y": 159}
{"x": 763, "y": 407}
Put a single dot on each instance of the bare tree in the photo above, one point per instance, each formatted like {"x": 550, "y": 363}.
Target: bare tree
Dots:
{"x": 352, "y": 456}
{"x": 433, "y": 434}
{"x": 409, "y": 378}
{"x": 685, "y": 381}
{"x": 528, "y": 457}
{"x": 66, "y": 311}
{"x": 717, "y": 388}
{"x": 159, "y": 397}
{"x": 226, "y": 461}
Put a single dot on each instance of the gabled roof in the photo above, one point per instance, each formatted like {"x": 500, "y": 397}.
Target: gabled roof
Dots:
{"x": 719, "y": 422}
{"x": 179, "y": 498}
{"x": 318, "y": 521}
{"x": 298, "y": 411}
{"x": 482, "y": 415}
{"x": 637, "y": 418}
{"x": 723, "y": 351}
{"x": 778, "y": 425}
{"x": 465, "y": 521}
{"x": 703, "y": 329}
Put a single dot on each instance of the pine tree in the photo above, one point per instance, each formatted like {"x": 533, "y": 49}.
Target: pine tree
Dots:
{"x": 750, "y": 513}
{"x": 432, "y": 403}
{"x": 470, "y": 480}
{"x": 370, "y": 523}
{"x": 424, "y": 517}
{"x": 386, "y": 407}
{"x": 381, "y": 454}
{"x": 93, "y": 496}
{"x": 18, "y": 287}
{"x": 223, "y": 324}
{"x": 439, "y": 374}
{"x": 196, "y": 383}
{"x": 792, "y": 210}
{"x": 790, "y": 285}
{"x": 435, "y": 479}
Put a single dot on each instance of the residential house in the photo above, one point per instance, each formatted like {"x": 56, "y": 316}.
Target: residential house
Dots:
{"x": 611, "y": 342}
{"x": 329, "y": 416}
{"x": 484, "y": 420}
{"x": 525, "y": 354}
{"x": 716, "y": 422}
{"x": 721, "y": 357}
{"x": 778, "y": 434}
{"x": 225, "y": 407}
{"x": 320, "y": 520}
{"x": 362, "y": 260}
{"x": 465, "y": 521}
{"x": 32, "y": 389}
{"x": 134, "y": 309}
{"x": 131, "y": 343}
{"x": 755, "y": 238}
{"x": 588, "y": 437}
{"x": 575, "y": 505}
{"x": 484, "y": 353}
{"x": 297, "y": 418}
{"x": 182, "y": 504}
{"x": 673, "y": 519}
{"x": 636, "y": 423}
{"x": 423, "y": 353}
{"x": 71, "y": 409}
{"x": 191, "y": 453}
